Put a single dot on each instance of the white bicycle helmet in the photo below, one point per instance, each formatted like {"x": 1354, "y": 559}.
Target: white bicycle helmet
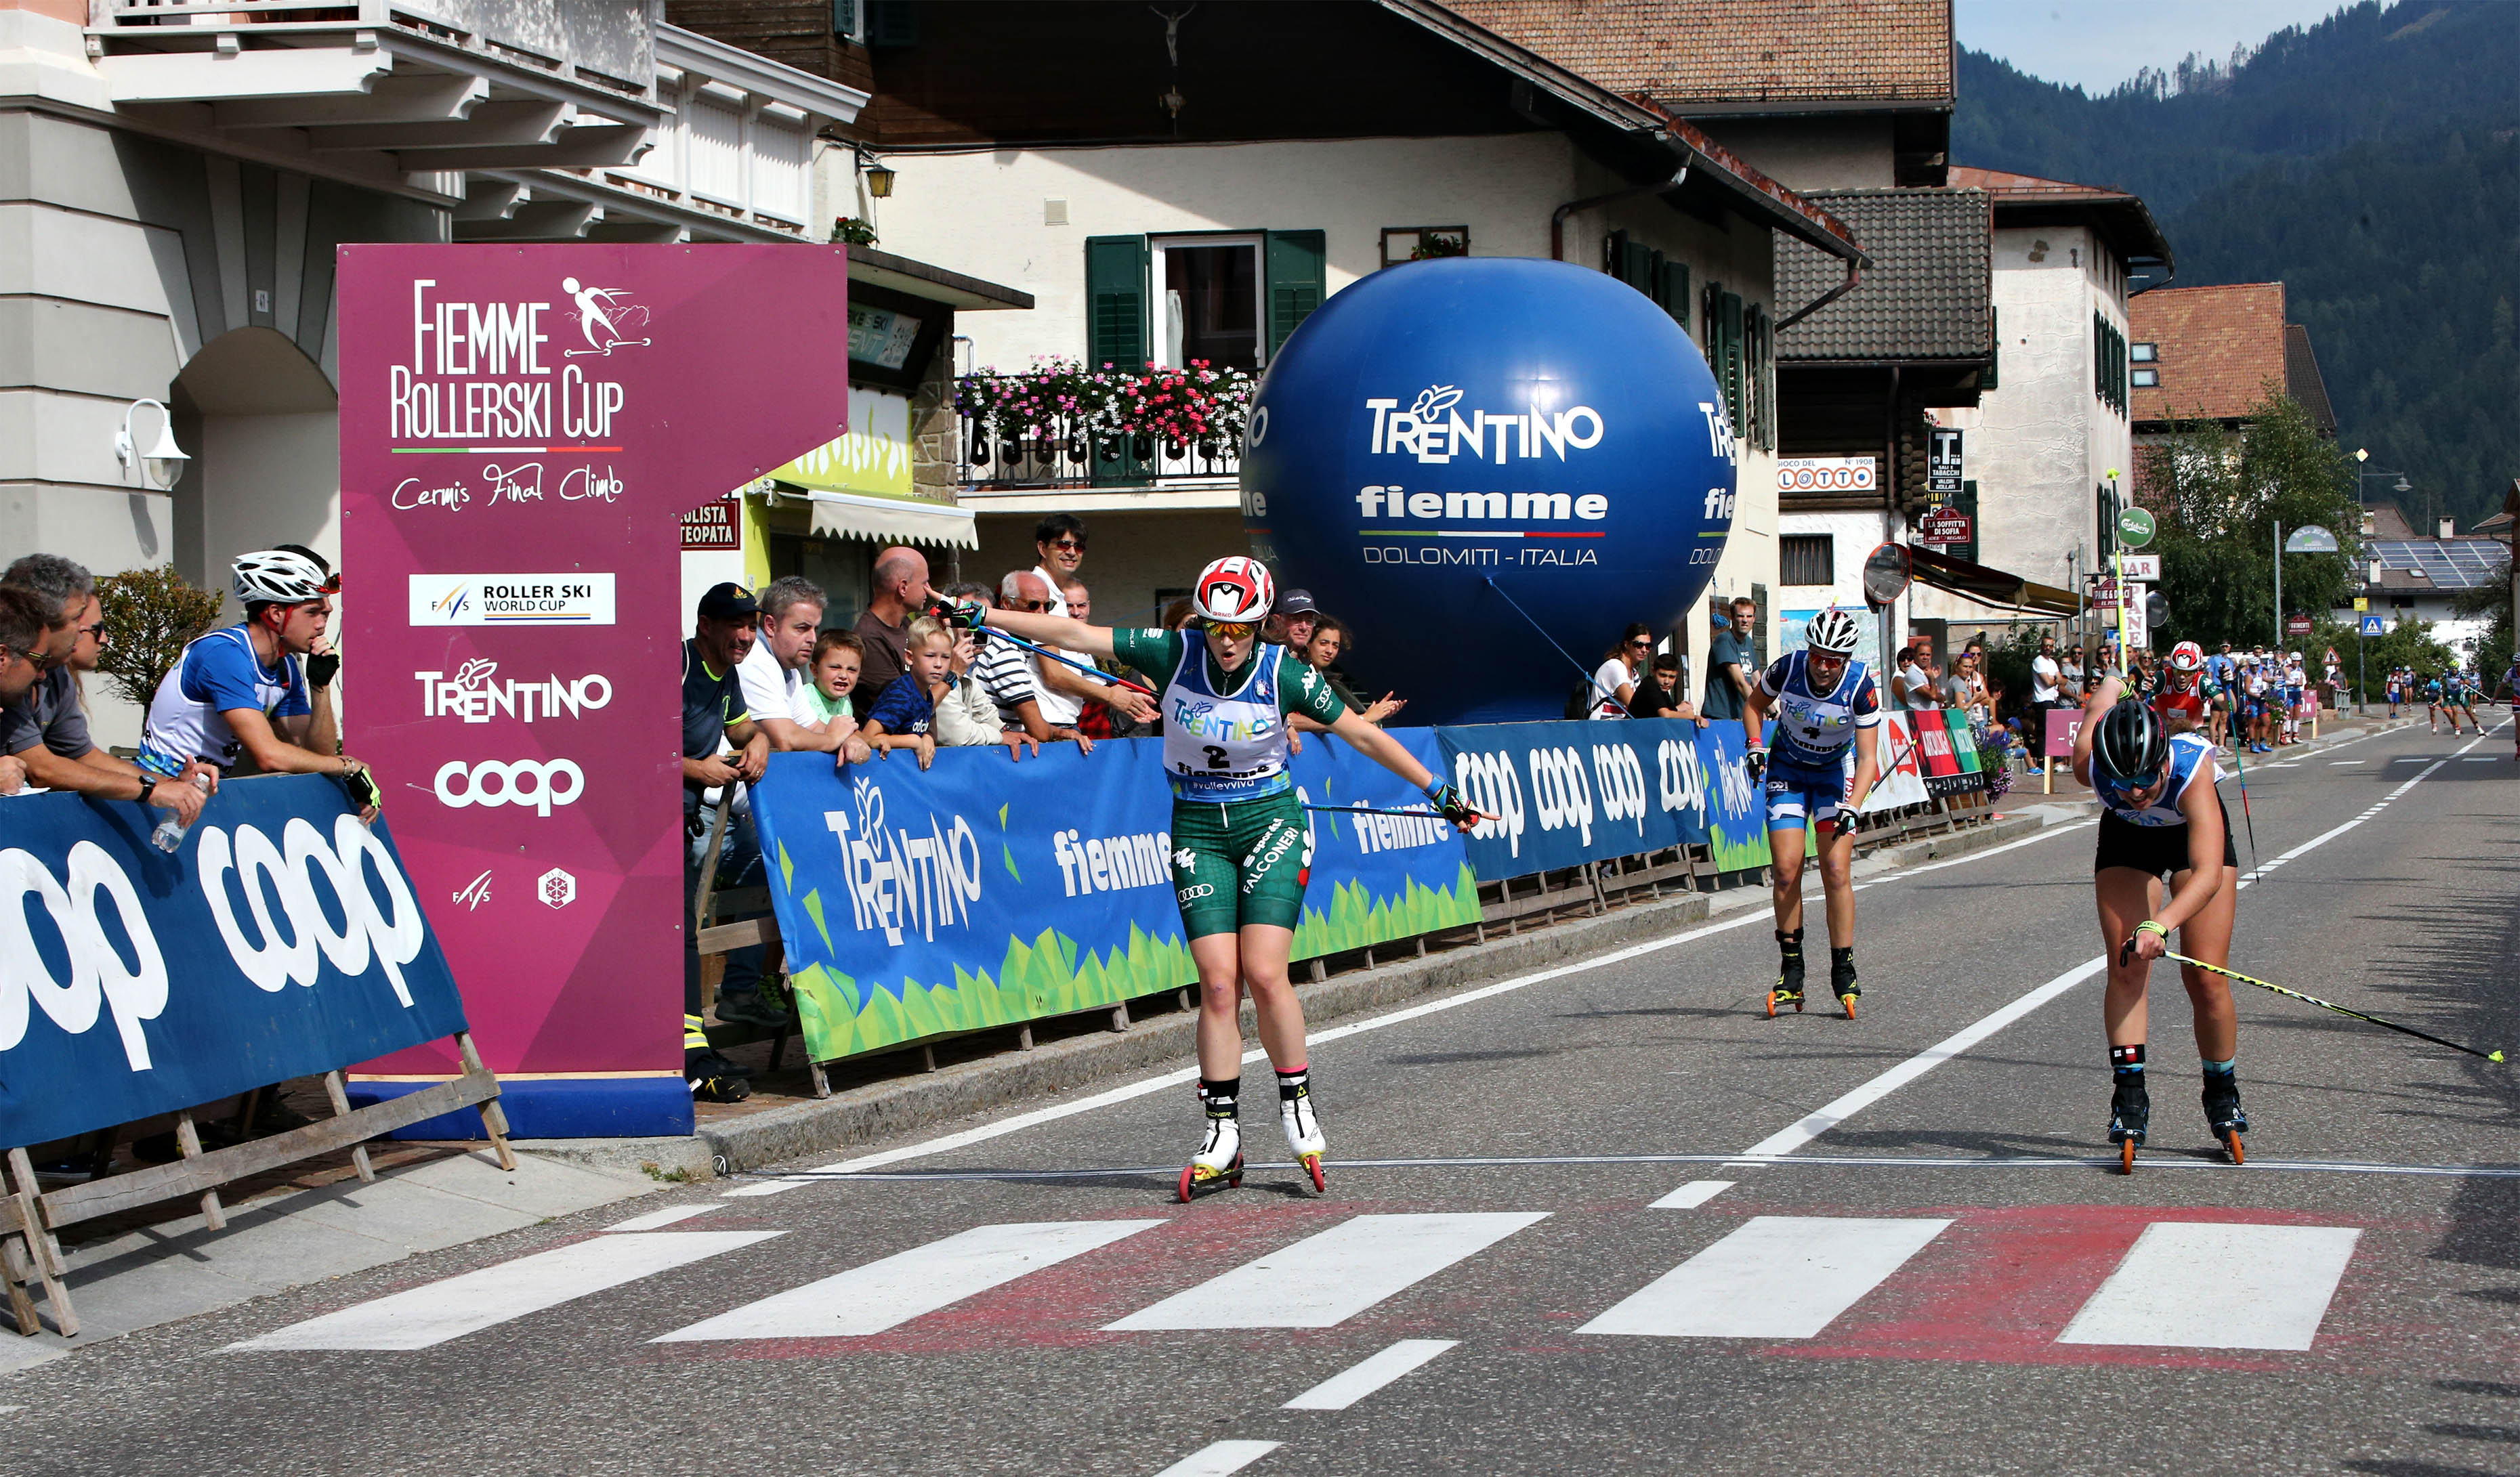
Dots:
{"x": 278, "y": 578}
{"x": 1832, "y": 632}
{"x": 2187, "y": 657}
{"x": 1235, "y": 591}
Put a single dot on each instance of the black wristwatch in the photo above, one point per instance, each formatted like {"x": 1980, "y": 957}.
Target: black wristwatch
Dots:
{"x": 148, "y": 787}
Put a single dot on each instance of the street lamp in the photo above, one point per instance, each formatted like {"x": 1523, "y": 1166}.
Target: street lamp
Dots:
{"x": 2309, "y": 538}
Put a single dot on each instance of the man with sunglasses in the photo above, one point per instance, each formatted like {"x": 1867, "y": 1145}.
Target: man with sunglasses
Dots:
{"x": 1063, "y": 691}
{"x": 239, "y": 696}
{"x": 48, "y": 732}
{"x": 1824, "y": 702}
{"x": 28, "y": 643}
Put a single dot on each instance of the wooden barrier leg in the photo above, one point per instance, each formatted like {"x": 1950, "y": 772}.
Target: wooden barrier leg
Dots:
{"x": 22, "y": 1304}
{"x": 189, "y": 1139}
{"x": 821, "y": 1084}
{"x": 494, "y": 1119}
{"x": 41, "y": 1246}
{"x": 340, "y": 1099}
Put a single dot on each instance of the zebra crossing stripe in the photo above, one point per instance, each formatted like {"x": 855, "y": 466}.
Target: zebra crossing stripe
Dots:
{"x": 421, "y": 1318}
{"x": 1361, "y": 1380}
{"x": 659, "y": 1220}
{"x": 1219, "y": 1458}
{"x": 881, "y": 1295}
{"x": 2201, "y": 1285}
{"x": 1692, "y": 1195}
{"x": 1328, "y": 1279}
{"x": 1777, "y": 1277}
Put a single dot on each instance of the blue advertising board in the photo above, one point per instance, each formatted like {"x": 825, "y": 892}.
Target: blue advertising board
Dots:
{"x": 986, "y": 891}
{"x": 1565, "y": 793}
{"x": 282, "y": 939}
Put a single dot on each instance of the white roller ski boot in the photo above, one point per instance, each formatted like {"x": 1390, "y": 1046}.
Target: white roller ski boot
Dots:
{"x": 1219, "y": 1160}
{"x": 1303, "y": 1130}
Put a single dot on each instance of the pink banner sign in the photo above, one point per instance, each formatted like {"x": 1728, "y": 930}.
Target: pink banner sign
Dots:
{"x": 523, "y": 430}
{"x": 2062, "y": 725}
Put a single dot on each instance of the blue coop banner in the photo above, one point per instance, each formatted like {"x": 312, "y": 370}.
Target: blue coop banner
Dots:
{"x": 1565, "y": 793}
{"x": 282, "y": 938}
{"x": 986, "y": 891}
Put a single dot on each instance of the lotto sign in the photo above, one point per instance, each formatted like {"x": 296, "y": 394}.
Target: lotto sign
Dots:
{"x": 1824, "y": 474}
{"x": 560, "y": 409}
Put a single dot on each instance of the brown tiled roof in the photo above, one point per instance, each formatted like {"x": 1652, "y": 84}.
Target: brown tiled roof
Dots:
{"x": 2302, "y": 380}
{"x": 1687, "y": 54}
{"x": 2123, "y": 220}
{"x": 2219, "y": 346}
{"x": 1924, "y": 296}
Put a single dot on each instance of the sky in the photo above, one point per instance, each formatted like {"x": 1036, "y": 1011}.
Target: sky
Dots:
{"x": 2099, "y": 43}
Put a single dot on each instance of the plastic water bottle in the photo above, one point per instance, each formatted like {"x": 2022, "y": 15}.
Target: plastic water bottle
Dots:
{"x": 169, "y": 834}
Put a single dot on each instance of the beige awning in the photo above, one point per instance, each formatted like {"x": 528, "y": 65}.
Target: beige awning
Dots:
{"x": 904, "y": 520}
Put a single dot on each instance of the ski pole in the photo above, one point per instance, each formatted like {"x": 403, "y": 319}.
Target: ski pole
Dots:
{"x": 1412, "y": 814}
{"x": 2246, "y": 819}
{"x": 2329, "y": 1005}
{"x": 942, "y": 612}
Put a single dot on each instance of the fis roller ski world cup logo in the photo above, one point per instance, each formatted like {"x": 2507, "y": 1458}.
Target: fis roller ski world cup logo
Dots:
{"x": 915, "y": 878}
{"x": 274, "y": 904}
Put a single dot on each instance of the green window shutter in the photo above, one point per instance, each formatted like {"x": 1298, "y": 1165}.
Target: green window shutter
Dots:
{"x": 1994, "y": 352}
{"x": 1297, "y": 267}
{"x": 1967, "y": 502}
{"x": 1672, "y": 293}
{"x": 1637, "y": 271}
{"x": 844, "y": 17}
{"x": 1760, "y": 335}
{"x": 1115, "y": 301}
{"x": 1733, "y": 373}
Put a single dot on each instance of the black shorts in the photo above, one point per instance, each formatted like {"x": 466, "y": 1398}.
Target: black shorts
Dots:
{"x": 2154, "y": 850}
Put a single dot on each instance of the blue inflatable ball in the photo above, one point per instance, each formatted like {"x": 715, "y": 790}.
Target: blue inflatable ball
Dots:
{"x": 1488, "y": 467}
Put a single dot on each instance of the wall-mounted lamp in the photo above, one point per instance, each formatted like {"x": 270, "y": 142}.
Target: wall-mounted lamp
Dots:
{"x": 162, "y": 462}
{"x": 878, "y": 175}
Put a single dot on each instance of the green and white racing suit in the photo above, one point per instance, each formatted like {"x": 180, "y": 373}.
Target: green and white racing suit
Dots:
{"x": 1242, "y": 846}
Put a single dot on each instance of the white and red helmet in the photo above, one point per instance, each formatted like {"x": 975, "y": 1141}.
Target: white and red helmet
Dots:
{"x": 1236, "y": 591}
{"x": 1832, "y": 632}
{"x": 2187, "y": 657}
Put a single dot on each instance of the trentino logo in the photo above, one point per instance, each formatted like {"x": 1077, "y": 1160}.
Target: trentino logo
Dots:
{"x": 1434, "y": 430}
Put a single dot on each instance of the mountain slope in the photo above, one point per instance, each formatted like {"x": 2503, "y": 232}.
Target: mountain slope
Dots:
{"x": 2369, "y": 164}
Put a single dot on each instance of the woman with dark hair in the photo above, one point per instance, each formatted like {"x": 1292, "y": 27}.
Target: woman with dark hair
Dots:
{"x": 1615, "y": 682}
{"x": 1330, "y": 639}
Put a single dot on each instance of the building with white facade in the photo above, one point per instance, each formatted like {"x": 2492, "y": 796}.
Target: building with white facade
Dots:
{"x": 1194, "y": 204}
{"x": 175, "y": 178}
{"x": 2053, "y": 431}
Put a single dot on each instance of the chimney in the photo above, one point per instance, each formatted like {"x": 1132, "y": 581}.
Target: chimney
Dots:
{"x": 2445, "y": 527}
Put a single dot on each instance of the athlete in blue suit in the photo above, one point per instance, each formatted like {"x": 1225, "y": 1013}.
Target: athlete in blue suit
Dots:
{"x": 1823, "y": 701}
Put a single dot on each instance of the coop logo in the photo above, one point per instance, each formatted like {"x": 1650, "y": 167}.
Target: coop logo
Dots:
{"x": 1434, "y": 430}
{"x": 1112, "y": 864}
{"x": 536, "y": 784}
{"x": 475, "y": 698}
{"x": 122, "y": 973}
{"x": 905, "y": 879}
{"x": 511, "y": 600}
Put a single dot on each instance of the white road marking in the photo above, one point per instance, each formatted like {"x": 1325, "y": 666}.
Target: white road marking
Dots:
{"x": 1692, "y": 1195}
{"x": 1220, "y": 1458}
{"x": 2343, "y": 761}
{"x": 1788, "y": 1140}
{"x": 1328, "y": 1279}
{"x": 1777, "y": 1277}
{"x": 881, "y": 1295}
{"x": 1359, "y": 1380}
{"x": 2192, "y": 1285}
{"x": 2484, "y": 759}
{"x": 659, "y": 1220}
{"x": 1130, "y": 1092}
{"x": 422, "y": 1318}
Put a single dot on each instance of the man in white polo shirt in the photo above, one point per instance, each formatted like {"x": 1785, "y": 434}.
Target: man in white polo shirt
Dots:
{"x": 774, "y": 673}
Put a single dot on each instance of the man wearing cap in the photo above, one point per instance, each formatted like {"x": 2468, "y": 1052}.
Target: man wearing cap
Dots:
{"x": 714, "y": 710}
{"x": 1292, "y": 620}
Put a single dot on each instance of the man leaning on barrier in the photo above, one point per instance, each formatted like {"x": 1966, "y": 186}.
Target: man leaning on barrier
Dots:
{"x": 48, "y": 732}
{"x": 715, "y": 713}
{"x": 239, "y": 699}
{"x": 29, "y": 626}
